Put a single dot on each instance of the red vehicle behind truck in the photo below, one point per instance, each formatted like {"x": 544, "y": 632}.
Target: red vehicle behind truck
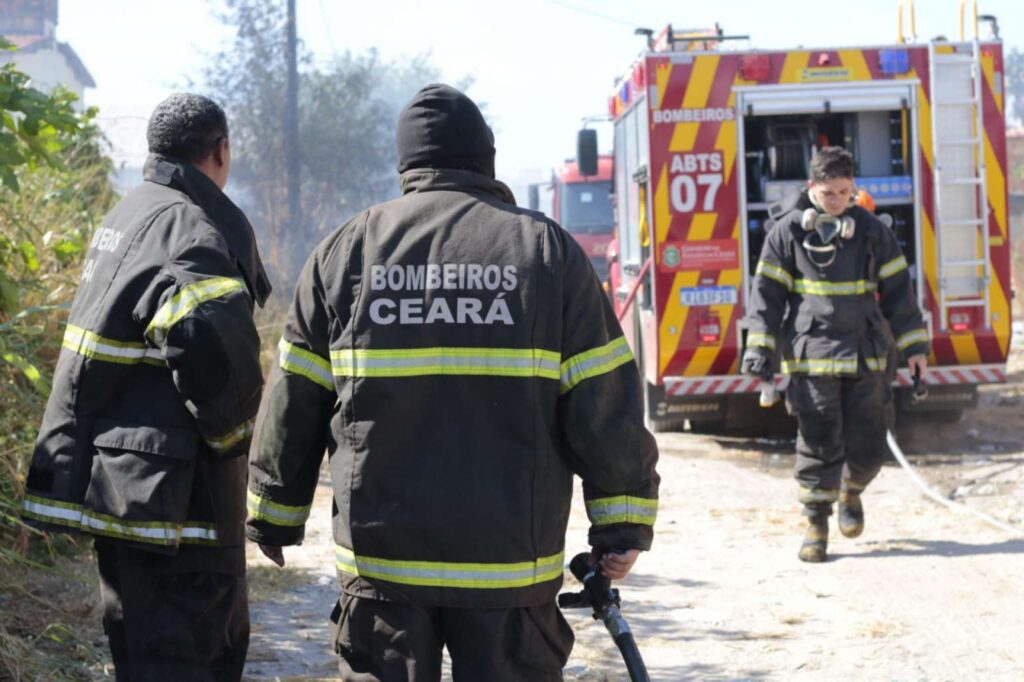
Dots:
{"x": 582, "y": 205}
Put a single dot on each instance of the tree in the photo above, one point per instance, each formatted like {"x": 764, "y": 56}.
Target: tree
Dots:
{"x": 348, "y": 108}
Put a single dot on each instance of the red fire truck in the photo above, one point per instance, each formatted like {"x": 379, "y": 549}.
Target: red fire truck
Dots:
{"x": 707, "y": 141}
{"x": 582, "y": 205}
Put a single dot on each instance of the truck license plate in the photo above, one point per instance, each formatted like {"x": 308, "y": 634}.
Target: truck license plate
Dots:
{"x": 706, "y": 296}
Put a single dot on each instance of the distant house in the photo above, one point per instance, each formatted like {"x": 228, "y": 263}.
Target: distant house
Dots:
{"x": 31, "y": 26}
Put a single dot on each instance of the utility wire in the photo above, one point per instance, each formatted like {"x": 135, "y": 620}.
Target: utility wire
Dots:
{"x": 327, "y": 27}
{"x": 590, "y": 12}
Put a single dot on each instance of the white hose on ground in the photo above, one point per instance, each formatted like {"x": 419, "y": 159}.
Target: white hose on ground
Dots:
{"x": 934, "y": 496}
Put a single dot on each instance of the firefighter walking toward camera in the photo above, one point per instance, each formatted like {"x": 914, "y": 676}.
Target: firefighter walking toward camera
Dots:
{"x": 830, "y": 277}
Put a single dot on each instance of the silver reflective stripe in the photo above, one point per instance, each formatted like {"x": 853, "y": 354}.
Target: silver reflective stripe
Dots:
{"x": 262, "y": 509}
{"x": 362, "y": 362}
{"x": 452, "y": 574}
{"x": 96, "y": 347}
{"x": 594, "y": 362}
{"x": 910, "y": 338}
{"x": 772, "y": 271}
{"x": 605, "y": 511}
{"x": 895, "y": 266}
{"x": 759, "y": 340}
{"x": 155, "y": 532}
{"x": 232, "y": 438}
{"x": 305, "y": 363}
{"x": 189, "y": 298}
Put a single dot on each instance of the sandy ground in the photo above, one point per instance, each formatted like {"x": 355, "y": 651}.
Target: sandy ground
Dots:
{"x": 924, "y": 594}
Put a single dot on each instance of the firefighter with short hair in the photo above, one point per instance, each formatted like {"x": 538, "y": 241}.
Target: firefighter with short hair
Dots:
{"x": 153, "y": 403}
{"x": 457, "y": 359}
{"x": 831, "y": 275}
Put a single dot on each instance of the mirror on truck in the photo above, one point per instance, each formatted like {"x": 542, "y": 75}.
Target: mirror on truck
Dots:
{"x": 586, "y": 151}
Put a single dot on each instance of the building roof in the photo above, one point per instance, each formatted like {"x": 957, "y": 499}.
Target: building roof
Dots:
{"x": 29, "y": 44}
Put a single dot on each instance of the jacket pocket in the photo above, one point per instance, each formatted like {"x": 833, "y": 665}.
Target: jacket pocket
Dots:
{"x": 140, "y": 483}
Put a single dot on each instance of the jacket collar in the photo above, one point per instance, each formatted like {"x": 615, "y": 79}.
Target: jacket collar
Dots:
{"x": 228, "y": 219}
{"x": 435, "y": 179}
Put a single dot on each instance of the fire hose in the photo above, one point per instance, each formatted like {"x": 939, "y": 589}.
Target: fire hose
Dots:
{"x": 920, "y": 392}
{"x": 599, "y": 595}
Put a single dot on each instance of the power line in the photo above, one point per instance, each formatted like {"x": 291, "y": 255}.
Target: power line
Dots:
{"x": 599, "y": 15}
{"x": 327, "y": 26}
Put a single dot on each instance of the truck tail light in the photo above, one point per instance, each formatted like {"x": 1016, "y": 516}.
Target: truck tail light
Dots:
{"x": 709, "y": 329}
{"x": 961, "y": 319}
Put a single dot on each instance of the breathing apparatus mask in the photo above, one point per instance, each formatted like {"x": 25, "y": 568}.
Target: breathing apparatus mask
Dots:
{"x": 821, "y": 232}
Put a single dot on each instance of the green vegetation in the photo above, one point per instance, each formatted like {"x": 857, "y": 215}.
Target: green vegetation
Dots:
{"x": 54, "y": 190}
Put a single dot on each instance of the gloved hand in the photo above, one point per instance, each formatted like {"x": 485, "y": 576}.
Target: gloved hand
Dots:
{"x": 756, "y": 363}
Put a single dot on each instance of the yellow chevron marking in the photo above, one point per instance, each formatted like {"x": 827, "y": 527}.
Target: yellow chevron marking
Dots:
{"x": 924, "y": 125}
{"x": 662, "y": 75}
{"x": 854, "y": 61}
{"x": 662, "y": 212}
{"x": 988, "y": 67}
{"x": 726, "y": 142}
{"x": 929, "y": 254}
{"x": 704, "y": 357}
{"x": 674, "y": 317}
{"x": 795, "y": 62}
{"x": 697, "y": 91}
{"x": 702, "y": 227}
{"x": 995, "y": 182}
{"x": 966, "y": 349}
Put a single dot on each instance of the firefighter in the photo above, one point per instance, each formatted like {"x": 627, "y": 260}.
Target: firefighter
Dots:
{"x": 456, "y": 357}
{"x": 154, "y": 397}
{"x": 830, "y": 277}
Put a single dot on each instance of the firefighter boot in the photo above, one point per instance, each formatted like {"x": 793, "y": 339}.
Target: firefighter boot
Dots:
{"x": 851, "y": 513}
{"x": 814, "y": 548}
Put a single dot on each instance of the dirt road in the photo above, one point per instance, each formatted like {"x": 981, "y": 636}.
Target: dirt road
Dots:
{"x": 924, "y": 594}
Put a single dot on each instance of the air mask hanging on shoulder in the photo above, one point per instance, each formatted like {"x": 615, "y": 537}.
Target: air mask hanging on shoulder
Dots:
{"x": 827, "y": 228}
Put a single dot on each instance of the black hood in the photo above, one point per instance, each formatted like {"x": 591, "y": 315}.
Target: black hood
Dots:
{"x": 442, "y": 128}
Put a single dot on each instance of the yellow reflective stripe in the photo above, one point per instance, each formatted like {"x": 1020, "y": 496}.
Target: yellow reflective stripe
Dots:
{"x": 190, "y": 297}
{"x": 75, "y": 516}
{"x": 262, "y": 509}
{"x": 233, "y": 437}
{"x": 305, "y": 363}
{"x": 816, "y": 495}
{"x": 507, "y": 362}
{"x": 877, "y": 364}
{"x": 91, "y": 345}
{"x": 594, "y": 362}
{"x": 772, "y": 271}
{"x": 907, "y": 340}
{"x": 604, "y": 511}
{"x": 821, "y": 288}
{"x": 893, "y": 267}
{"x": 451, "y": 574}
{"x": 820, "y": 367}
{"x": 759, "y": 340}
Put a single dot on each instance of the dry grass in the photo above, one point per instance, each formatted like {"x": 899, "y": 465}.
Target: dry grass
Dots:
{"x": 273, "y": 583}
{"x": 50, "y": 622}
{"x": 881, "y": 628}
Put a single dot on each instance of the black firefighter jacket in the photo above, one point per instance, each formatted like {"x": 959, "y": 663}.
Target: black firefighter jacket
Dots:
{"x": 158, "y": 381}
{"x": 456, "y": 357}
{"x": 831, "y": 320}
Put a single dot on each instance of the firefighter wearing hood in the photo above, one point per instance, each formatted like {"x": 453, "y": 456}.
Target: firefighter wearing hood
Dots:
{"x": 830, "y": 276}
{"x": 456, "y": 358}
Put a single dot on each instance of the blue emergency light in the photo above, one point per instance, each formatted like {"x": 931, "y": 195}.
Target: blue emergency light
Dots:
{"x": 894, "y": 61}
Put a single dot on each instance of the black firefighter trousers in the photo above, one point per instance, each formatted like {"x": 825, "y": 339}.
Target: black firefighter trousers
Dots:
{"x": 842, "y": 422}
{"x": 165, "y": 620}
{"x": 387, "y": 641}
